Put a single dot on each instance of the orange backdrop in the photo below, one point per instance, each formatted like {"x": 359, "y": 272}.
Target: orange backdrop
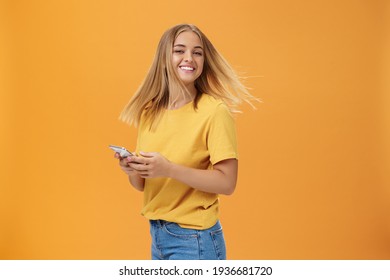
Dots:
{"x": 314, "y": 156}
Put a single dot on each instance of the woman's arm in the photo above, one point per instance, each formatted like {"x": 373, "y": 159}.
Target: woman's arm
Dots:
{"x": 221, "y": 179}
{"x": 137, "y": 182}
{"x": 134, "y": 178}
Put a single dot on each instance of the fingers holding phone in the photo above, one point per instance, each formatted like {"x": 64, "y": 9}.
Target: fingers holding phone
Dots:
{"x": 124, "y": 157}
{"x": 124, "y": 165}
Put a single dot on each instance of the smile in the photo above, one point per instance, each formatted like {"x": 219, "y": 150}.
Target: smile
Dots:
{"x": 187, "y": 68}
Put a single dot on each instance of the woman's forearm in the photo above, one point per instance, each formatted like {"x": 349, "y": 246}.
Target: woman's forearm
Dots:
{"x": 221, "y": 179}
{"x": 137, "y": 182}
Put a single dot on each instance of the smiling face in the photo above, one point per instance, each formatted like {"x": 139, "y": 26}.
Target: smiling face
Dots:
{"x": 188, "y": 57}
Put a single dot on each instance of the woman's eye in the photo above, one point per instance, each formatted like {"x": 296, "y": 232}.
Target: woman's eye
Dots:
{"x": 178, "y": 51}
{"x": 198, "y": 53}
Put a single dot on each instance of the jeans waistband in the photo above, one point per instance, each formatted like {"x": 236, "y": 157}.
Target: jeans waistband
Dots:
{"x": 159, "y": 223}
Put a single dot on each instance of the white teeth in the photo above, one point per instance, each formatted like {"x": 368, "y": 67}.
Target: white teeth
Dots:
{"x": 186, "y": 68}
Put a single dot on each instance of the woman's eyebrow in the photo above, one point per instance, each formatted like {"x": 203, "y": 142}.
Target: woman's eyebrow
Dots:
{"x": 181, "y": 45}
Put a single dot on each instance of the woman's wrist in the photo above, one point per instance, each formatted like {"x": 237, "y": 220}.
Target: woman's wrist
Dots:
{"x": 171, "y": 170}
{"x": 136, "y": 181}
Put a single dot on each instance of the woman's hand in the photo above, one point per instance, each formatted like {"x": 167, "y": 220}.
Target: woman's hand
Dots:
{"x": 134, "y": 177}
{"x": 150, "y": 165}
{"x": 124, "y": 165}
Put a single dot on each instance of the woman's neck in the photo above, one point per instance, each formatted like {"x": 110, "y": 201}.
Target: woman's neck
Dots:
{"x": 179, "y": 99}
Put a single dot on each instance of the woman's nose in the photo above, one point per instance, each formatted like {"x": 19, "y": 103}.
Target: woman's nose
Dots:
{"x": 188, "y": 57}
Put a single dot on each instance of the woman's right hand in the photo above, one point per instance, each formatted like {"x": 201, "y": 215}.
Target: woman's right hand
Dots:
{"x": 134, "y": 178}
{"x": 124, "y": 165}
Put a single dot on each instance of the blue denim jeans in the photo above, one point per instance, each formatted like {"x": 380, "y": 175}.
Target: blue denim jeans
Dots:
{"x": 172, "y": 242}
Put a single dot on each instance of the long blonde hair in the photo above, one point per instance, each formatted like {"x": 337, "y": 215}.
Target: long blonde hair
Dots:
{"x": 217, "y": 79}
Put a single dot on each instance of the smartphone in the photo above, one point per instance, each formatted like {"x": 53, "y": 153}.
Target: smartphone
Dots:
{"x": 123, "y": 152}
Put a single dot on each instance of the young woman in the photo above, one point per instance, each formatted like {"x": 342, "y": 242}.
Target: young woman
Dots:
{"x": 186, "y": 146}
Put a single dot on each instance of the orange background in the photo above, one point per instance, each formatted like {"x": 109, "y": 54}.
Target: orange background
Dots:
{"x": 314, "y": 156}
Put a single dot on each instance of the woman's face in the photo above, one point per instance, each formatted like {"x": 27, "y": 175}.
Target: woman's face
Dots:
{"x": 188, "y": 57}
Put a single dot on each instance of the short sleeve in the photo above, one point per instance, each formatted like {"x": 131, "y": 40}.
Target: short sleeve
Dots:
{"x": 221, "y": 139}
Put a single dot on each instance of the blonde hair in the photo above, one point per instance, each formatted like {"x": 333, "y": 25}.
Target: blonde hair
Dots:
{"x": 217, "y": 79}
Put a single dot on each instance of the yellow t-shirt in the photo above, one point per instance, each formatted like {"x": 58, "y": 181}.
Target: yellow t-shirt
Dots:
{"x": 193, "y": 138}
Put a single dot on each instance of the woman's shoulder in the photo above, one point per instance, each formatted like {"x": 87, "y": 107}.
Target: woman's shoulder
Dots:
{"x": 210, "y": 102}
{"x": 211, "y": 107}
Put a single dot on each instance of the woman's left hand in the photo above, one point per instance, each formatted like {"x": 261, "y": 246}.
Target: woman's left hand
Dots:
{"x": 151, "y": 165}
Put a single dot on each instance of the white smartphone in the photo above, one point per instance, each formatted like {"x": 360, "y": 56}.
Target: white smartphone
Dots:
{"x": 123, "y": 152}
